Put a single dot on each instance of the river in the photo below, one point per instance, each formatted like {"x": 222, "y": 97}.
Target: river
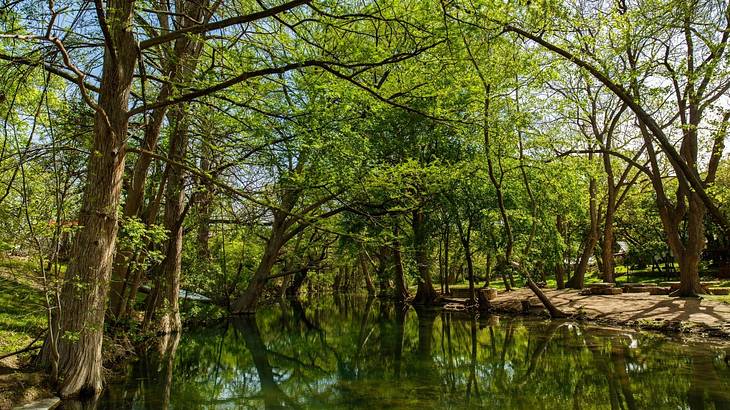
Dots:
{"x": 359, "y": 353}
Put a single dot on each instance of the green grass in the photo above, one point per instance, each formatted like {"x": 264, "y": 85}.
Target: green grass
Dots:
{"x": 22, "y": 312}
{"x": 592, "y": 276}
{"x": 718, "y": 298}
{"x": 497, "y": 283}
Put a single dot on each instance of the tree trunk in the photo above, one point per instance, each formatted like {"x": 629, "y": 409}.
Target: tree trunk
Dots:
{"x": 696, "y": 205}
{"x": 447, "y": 276}
{"x": 607, "y": 246}
{"x": 133, "y": 206}
{"x": 689, "y": 252}
{"x": 246, "y": 303}
{"x": 470, "y": 270}
{"x": 441, "y": 264}
{"x": 86, "y": 285}
{"x": 336, "y": 282}
{"x": 366, "y": 275}
{"x": 401, "y": 291}
{"x": 426, "y": 294}
{"x": 341, "y": 284}
{"x": 507, "y": 286}
{"x": 466, "y": 243}
{"x": 383, "y": 261}
{"x": 554, "y": 312}
{"x": 204, "y": 209}
{"x": 167, "y": 309}
{"x": 559, "y": 276}
{"x": 578, "y": 279}
{"x": 297, "y": 282}
{"x": 180, "y": 68}
{"x": 133, "y": 278}
{"x": 487, "y": 270}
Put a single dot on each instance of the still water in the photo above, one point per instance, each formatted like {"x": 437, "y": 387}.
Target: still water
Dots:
{"x": 359, "y": 353}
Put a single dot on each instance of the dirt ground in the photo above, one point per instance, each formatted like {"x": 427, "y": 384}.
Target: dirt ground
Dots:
{"x": 688, "y": 315}
{"x": 19, "y": 387}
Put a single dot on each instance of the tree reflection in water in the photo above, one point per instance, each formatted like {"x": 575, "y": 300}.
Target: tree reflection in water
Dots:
{"x": 370, "y": 353}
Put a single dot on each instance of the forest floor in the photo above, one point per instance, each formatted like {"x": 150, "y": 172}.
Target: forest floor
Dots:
{"x": 700, "y": 316}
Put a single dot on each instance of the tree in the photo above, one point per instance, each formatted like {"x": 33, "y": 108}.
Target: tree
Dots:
{"x": 689, "y": 50}
{"x": 81, "y": 321}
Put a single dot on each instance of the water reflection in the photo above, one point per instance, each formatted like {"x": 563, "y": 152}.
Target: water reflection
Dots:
{"x": 350, "y": 352}
{"x": 272, "y": 396}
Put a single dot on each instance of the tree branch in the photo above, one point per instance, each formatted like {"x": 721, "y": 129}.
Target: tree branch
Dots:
{"x": 221, "y": 24}
{"x": 690, "y": 175}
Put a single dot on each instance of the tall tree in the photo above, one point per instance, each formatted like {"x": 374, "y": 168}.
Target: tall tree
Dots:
{"x": 685, "y": 52}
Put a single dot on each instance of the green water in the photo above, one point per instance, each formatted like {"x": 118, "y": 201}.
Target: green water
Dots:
{"x": 355, "y": 353}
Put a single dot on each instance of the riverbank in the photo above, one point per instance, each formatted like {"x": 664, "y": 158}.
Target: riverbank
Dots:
{"x": 699, "y": 316}
{"x": 19, "y": 384}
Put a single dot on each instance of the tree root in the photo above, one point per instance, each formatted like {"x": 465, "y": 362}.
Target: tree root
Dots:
{"x": 679, "y": 294}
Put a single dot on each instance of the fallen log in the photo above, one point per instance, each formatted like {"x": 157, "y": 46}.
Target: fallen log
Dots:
{"x": 552, "y": 310}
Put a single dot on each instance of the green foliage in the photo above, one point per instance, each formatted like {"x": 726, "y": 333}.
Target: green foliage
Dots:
{"x": 143, "y": 241}
{"x": 414, "y": 100}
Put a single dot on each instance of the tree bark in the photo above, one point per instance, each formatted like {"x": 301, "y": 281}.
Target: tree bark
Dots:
{"x": 134, "y": 277}
{"x": 466, "y": 243}
{"x": 383, "y": 282}
{"x": 401, "y": 290}
{"x": 560, "y": 264}
{"x": 180, "y": 68}
{"x": 167, "y": 310}
{"x": 366, "y": 275}
{"x": 487, "y": 270}
{"x": 133, "y": 206}
{"x": 204, "y": 209}
{"x": 447, "y": 275}
{"x": 607, "y": 246}
{"x": 86, "y": 285}
{"x": 187, "y": 51}
{"x": 297, "y": 281}
{"x": 554, "y": 311}
{"x": 608, "y": 239}
{"x": 497, "y": 184}
{"x": 246, "y": 303}
{"x": 426, "y": 294}
{"x": 688, "y": 252}
{"x": 470, "y": 271}
{"x": 578, "y": 279}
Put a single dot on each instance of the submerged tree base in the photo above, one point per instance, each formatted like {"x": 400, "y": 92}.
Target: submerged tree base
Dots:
{"x": 426, "y": 295}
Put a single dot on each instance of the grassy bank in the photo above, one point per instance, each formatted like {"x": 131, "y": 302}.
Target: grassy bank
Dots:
{"x": 22, "y": 311}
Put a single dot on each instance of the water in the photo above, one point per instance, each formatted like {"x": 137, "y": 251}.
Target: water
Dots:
{"x": 357, "y": 353}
